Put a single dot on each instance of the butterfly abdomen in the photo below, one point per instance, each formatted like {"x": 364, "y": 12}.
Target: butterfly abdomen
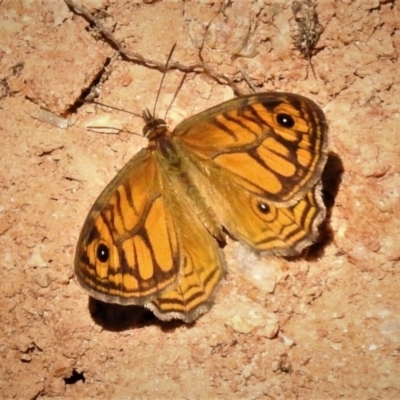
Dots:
{"x": 178, "y": 173}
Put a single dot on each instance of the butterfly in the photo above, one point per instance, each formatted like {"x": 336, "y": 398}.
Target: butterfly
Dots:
{"x": 250, "y": 167}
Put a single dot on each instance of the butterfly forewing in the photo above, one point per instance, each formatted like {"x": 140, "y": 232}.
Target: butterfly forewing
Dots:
{"x": 128, "y": 251}
{"x": 272, "y": 144}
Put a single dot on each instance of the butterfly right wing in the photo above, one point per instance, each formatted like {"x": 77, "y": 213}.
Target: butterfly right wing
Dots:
{"x": 258, "y": 223}
{"x": 272, "y": 144}
{"x": 257, "y": 161}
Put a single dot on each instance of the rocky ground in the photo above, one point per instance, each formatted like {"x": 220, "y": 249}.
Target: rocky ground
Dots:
{"x": 326, "y": 325}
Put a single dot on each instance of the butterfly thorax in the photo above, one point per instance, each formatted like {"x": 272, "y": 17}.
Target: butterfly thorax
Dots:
{"x": 160, "y": 136}
{"x": 176, "y": 171}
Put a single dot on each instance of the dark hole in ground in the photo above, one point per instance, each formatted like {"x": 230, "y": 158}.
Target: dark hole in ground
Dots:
{"x": 75, "y": 377}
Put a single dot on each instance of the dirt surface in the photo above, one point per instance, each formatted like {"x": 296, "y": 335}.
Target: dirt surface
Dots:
{"x": 322, "y": 326}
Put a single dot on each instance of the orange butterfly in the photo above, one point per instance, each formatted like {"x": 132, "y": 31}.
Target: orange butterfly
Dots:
{"x": 250, "y": 166}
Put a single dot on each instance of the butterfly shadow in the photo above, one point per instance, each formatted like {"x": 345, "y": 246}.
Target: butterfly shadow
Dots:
{"x": 118, "y": 318}
{"x": 331, "y": 179}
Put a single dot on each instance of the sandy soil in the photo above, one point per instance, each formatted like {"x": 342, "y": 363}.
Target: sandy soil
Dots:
{"x": 322, "y": 326}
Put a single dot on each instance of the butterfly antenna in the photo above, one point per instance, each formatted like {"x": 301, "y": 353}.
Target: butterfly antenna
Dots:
{"x": 162, "y": 79}
{"x": 114, "y": 108}
{"x": 175, "y": 94}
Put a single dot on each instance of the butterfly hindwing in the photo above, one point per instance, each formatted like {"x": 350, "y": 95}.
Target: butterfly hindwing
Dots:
{"x": 203, "y": 268}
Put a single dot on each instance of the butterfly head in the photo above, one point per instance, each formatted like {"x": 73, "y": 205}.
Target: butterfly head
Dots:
{"x": 153, "y": 127}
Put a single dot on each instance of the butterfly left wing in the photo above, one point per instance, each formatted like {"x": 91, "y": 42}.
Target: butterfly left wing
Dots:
{"x": 128, "y": 252}
{"x": 203, "y": 268}
{"x": 140, "y": 244}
